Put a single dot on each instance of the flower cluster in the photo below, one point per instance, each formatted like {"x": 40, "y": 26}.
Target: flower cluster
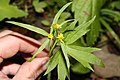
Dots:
{"x": 59, "y": 36}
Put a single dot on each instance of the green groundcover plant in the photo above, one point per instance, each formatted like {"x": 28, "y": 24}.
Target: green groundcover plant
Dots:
{"x": 63, "y": 48}
{"x": 10, "y": 11}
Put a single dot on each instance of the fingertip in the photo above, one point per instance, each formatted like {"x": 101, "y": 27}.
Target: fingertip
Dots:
{"x": 3, "y": 76}
{"x": 40, "y": 61}
{"x": 29, "y": 70}
{"x": 42, "y": 54}
{"x": 1, "y": 59}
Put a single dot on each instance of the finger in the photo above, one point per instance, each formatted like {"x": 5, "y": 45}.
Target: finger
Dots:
{"x": 9, "y": 68}
{"x": 10, "y": 45}
{"x": 28, "y": 56}
{"x": 9, "y": 32}
{"x": 1, "y": 59}
{"x": 28, "y": 39}
{"x": 3, "y": 76}
{"x": 42, "y": 69}
{"x": 31, "y": 70}
{"x": 5, "y": 32}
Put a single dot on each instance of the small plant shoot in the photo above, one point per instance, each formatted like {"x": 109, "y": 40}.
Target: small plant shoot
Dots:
{"x": 62, "y": 48}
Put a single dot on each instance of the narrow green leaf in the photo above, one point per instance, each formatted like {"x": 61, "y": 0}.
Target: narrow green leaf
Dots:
{"x": 40, "y": 49}
{"x": 66, "y": 22}
{"x": 107, "y": 26}
{"x": 79, "y": 32}
{"x": 82, "y": 61}
{"x": 65, "y": 54}
{"x": 112, "y": 13}
{"x": 62, "y": 69}
{"x": 53, "y": 62}
{"x": 57, "y": 16}
{"x": 76, "y": 36}
{"x": 55, "y": 20}
{"x": 85, "y": 49}
{"x": 72, "y": 25}
{"x": 85, "y": 64}
{"x": 30, "y": 27}
{"x": 85, "y": 56}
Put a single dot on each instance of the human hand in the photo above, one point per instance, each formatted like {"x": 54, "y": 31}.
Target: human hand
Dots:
{"x": 10, "y": 44}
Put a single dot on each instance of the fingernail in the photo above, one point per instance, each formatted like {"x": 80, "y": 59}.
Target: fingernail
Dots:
{"x": 43, "y": 62}
{"x": 1, "y": 59}
{"x": 41, "y": 70}
{"x": 44, "y": 67}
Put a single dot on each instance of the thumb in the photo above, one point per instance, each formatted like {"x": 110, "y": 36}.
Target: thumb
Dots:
{"x": 31, "y": 70}
{"x": 3, "y": 76}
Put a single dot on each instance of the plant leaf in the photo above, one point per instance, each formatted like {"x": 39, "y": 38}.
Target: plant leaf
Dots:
{"x": 53, "y": 62}
{"x": 91, "y": 8}
{"x": 79, "y": 68}
{"x": 57, "y": 16}
{"x": 55, "y": 20}
{"x": 83, "y": 62}
{"x": 62, "y": 70}
{"x": 66, "y": 22}
{"x": 95, "y": 27}
{"x": 107, "y": 26}
{"x": 86, "y": 64}
{"x": 40, "y": 49}
{"x": 45, "y": 22}
{"x": 39, "y": 6}
{"x": 80, "y": 12}
{"x": 10, "y": 11}
{"x": 85, "y": 49}
{"x": 60, "y": 3}
{"x": 30, "y": 27}
{"x": 65, "y": 15}
{"x": 79, "y": 32}
{"x": 72, "y": 25}
{"x": 117, "y": 4}
{"x": 84, "y": 56}
{"x": 65, "y": 55}
{"x": 112, "y": 13}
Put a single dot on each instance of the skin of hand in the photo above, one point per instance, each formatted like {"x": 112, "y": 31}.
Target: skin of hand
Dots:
{"x": 12, "y": 42}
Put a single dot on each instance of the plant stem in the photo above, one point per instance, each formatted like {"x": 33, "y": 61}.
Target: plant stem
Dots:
{"x": 83, "y": 42}
{"x": 49, "y": 76}
{"x": 53, "y": 47}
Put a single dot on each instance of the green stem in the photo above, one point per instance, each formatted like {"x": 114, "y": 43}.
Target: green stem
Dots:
{"x": 107, "y": 26}
{"x": 83, "y": 42}
{"x": 49, "y": 76}
{"x": 53, "y": 47}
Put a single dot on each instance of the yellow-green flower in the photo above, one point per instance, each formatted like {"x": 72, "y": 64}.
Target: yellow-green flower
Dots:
{"x": 50, "y": 36}
{"x": 60, "y": 37}
{"x": 56, "y": 26}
